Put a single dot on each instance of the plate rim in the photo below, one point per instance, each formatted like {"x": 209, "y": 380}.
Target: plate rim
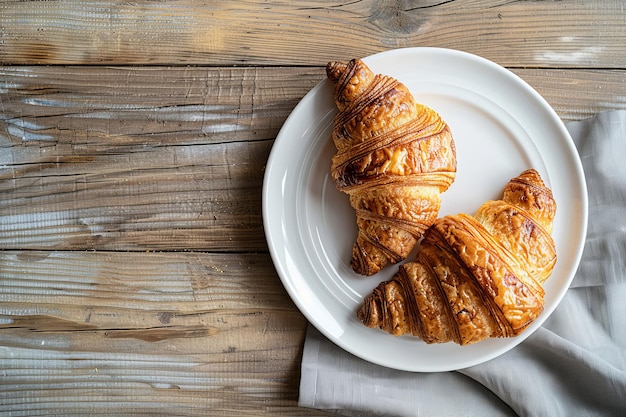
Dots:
{"x": 558, "y": 123}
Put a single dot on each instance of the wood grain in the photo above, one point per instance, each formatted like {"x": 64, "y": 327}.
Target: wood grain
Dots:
{"x": 168, "y": 332}
{"x": 134, "y": 274}
{"x": 566, "y": 33}
{"x": 146, "y": 159}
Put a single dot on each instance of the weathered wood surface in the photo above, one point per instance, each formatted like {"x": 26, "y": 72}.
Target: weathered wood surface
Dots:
{"x": 134, "y": 273}
{"x": 567, "y": 33}
{"x": 103, "y": 166}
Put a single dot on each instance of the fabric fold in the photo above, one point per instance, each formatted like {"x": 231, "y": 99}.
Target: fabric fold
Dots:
{"x": 574, "y": 365}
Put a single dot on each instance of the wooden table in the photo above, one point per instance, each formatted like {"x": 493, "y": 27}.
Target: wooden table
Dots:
{"x": 135, "y": 277}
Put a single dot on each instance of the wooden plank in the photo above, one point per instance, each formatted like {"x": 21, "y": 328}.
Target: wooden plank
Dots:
{"x": 203, "y": 197}
{"x": 566, "y": 33}
{"x": 116, "y": 159}
{"x": 162, "y": 333}
{"x": 139, "y": 158}
{"x": 577, "y": 95}
{"x": 109, "y": 106}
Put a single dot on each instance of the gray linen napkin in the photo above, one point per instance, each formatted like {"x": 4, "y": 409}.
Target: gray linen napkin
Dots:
{"x": 574, "y": 365}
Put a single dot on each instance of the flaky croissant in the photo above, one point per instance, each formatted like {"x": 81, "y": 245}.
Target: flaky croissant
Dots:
{"x": 394, "y": 158}
{"x": 474, "y": 277}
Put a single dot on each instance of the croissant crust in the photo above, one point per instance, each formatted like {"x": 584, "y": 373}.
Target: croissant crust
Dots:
{"x": 474, "y": 277}
{"x": 394, "y": 158}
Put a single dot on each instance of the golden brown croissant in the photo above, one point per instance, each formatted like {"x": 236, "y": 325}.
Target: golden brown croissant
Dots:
{"x": 474, "y": 276}
{"x": 394, "y": 158}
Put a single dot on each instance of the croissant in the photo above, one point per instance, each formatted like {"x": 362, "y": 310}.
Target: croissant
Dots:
{"x": 474, "y": 277}
{"x": 394, "y": 158}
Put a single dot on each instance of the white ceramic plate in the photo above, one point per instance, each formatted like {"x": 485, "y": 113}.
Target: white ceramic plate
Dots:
{"x": 501, "y": 126}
